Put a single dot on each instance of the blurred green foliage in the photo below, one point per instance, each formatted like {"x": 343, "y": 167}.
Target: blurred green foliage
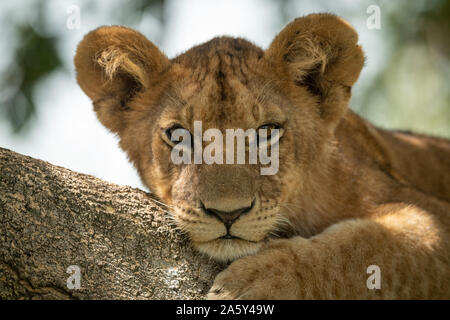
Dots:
{"x": 36, "y": 57}
{"x": 410, "y": 90}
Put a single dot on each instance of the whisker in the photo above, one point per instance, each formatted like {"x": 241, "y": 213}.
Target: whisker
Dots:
{"x": 166, "y": 211}
{"x": 162, "y": 203}
{"x": 290, "y": 204}
{"x": 272, "y": 233}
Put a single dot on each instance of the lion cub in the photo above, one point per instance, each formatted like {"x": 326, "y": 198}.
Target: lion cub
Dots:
{"x": 345, "y": 198}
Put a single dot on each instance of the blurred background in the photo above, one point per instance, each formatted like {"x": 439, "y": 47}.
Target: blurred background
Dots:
{"x": 44, "y": 114}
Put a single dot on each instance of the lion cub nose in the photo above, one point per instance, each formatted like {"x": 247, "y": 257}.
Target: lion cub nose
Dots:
{"x": 228, "y": 217}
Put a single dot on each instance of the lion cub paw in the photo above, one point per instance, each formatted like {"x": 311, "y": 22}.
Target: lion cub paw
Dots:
{"x": 270, "y": 275}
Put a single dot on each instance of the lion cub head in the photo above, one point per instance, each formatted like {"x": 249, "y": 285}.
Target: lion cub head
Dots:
{"x": 298, "y": 87}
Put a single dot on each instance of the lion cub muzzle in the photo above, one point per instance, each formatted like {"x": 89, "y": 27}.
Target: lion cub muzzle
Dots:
{"x": 228, "y": 217}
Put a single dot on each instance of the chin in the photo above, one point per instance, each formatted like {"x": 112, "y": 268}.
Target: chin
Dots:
{"x": 227, "y": 249}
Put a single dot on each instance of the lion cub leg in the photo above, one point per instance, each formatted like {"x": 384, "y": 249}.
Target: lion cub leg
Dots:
{"x": 404, "y": 245}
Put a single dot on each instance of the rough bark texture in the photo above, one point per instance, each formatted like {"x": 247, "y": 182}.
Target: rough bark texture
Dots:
{"x": 122, "y": 239}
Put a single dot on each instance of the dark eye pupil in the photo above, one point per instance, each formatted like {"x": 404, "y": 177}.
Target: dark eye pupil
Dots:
{"x": 269, "y": 127}
{"x": 169, "y": 133}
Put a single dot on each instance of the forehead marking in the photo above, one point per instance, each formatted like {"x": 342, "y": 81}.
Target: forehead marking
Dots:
{"x": 220, "y": 78}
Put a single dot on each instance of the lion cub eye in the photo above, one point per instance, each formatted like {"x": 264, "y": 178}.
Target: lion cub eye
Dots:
{"x": 175, "y": 134}
{"x": 269, "y": 133}
{"x": 270, "y": 126}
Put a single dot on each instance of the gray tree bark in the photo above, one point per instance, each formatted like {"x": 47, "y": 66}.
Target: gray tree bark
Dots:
{"x": 123, "y": 241}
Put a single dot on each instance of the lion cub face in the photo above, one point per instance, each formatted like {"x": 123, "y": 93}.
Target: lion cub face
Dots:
{"x": 295, "y": 91}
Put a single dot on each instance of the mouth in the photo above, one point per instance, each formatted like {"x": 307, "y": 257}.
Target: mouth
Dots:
{"x": 229, "y": 236}
{"x": 228, "y": 248}
{"x": 227, "y": 242}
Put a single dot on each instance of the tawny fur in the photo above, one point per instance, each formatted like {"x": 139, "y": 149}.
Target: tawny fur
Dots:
{"x": 347, "y": 194}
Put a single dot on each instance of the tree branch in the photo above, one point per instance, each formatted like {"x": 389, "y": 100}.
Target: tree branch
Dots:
{"x": 123, "y": 241}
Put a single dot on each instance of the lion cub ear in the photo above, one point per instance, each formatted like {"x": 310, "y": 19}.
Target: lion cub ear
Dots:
{"x": 113, "y": 64}
{"x": 321, "y": 53}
